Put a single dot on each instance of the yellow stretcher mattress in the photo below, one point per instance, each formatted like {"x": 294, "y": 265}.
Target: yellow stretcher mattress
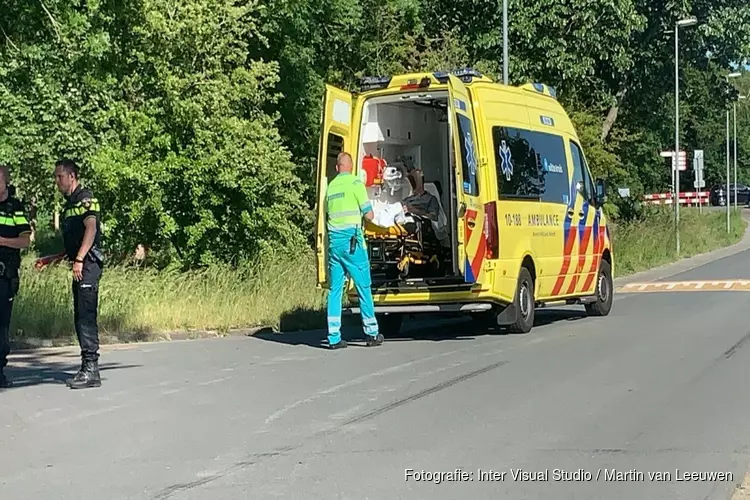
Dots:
{"x": 378, "y": 231}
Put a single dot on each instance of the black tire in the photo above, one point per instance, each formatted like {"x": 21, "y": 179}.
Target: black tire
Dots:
{"x": 524, "y": 303}
{"x": 604, "y": 292}
{"x": 390, "y": 324}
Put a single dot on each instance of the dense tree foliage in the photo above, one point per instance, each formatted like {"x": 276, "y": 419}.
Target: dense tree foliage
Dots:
{"x": 196, "y": 122}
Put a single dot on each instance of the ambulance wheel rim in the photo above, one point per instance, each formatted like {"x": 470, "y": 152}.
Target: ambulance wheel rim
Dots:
{"x": 524, "y": 299}
{"x": 603, "y": 288}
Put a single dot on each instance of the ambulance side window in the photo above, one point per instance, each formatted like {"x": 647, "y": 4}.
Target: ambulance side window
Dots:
{"x": 335, "y": 146}
{"x": 468, "y": 155}
{"x": 581, "y": 177}
{"x": 531, "y": 165}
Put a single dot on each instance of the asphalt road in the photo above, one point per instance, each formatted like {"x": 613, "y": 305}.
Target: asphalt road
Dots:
{"x": 658, "y": 386}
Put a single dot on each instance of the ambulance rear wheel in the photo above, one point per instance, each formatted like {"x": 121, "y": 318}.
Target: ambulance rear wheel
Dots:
{"x": 524, "y": 303}
{"x": 390, "y": 324}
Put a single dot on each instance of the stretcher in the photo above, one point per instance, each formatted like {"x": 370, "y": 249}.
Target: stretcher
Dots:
{"x": 405, "y": 248}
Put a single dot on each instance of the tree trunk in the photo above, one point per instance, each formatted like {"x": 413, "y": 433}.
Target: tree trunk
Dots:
{"x": 609, "y": 122}
{"x": 33, "y": 209}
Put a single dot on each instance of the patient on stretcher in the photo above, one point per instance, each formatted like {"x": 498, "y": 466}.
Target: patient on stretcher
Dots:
{"x": 399, "y": 218}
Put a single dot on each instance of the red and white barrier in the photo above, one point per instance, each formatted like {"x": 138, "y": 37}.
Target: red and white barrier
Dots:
{"x": 687, "y": 198}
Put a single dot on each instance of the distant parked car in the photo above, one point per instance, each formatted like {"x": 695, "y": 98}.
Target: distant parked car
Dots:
{"x": 718, "y": 197}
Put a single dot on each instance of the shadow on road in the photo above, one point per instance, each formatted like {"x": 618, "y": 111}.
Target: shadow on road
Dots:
{"x": 302, "y": 319}
{"x": 546, "y": 317}
{"x": 434, "y": 329}
{"x": 37, "y": 368}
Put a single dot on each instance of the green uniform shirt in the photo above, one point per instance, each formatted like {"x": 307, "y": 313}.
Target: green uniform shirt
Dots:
{"x": 346, "y": 203}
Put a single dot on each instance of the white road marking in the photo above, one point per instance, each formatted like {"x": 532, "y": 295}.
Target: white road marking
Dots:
{"x": 739, "y": 285}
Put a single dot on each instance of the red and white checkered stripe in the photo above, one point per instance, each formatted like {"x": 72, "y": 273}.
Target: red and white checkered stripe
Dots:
{"x": 686, "y": 198}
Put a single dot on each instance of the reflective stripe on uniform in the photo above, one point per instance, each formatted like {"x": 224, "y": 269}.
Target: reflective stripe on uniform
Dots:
{"x": 19, "y": 219}
{"x": 346, "y": 213}
{"x": 8, "y": 221}
{"x": 343, "y": 228}
{"x": 80, "y": 209}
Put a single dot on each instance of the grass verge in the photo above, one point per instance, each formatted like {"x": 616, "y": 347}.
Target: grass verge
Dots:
{"x": 142, "y": 304}
{"x": 651, "y": 243}
{"x": 137, "y": 304}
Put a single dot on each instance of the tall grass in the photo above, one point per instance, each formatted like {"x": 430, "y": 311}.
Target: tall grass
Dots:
{"x": 651, "y": 243}
{"x": 139, "y": 304}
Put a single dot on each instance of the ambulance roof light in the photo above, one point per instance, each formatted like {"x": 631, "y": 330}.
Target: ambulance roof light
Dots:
{"x": 542, "y": 89}
{"x": 374, "y": 83}
{"x": 463, "y": 74}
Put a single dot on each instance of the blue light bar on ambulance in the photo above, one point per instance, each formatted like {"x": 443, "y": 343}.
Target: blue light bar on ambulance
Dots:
{"x": 374, "y": 83}
{"x": 541, "y": 89}
{"x": 465, "y": 75}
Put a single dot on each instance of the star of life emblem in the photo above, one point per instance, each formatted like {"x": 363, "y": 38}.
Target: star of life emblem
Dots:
{"x": 506, "y": 163}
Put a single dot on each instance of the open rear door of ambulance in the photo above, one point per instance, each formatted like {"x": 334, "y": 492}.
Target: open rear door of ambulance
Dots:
{"x": 335, "y": 137}
{"x": 471, "y": 242}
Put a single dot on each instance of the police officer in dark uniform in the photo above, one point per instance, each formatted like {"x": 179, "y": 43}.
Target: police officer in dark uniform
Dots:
{"x": 82, "y": 238}
{"x": 15, "y": 234}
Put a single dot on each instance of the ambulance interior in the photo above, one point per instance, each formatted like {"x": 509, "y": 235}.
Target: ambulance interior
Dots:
{"x": 399, "y": 134}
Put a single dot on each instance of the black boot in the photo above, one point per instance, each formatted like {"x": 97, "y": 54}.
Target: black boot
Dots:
{"x": 375, "y": 341}
{"x": 342, "y": 344}
{"x": 78, "y": 375}
{"x": 88, "y": 376}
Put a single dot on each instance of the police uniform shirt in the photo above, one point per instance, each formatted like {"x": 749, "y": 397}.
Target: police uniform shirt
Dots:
{"x": 80, "y": 205}
{"x": 13, "y": 223}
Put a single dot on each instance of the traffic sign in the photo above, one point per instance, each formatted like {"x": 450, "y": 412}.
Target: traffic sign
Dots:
{"x": 698, "y": 169}
{"x": 682, "y": 161}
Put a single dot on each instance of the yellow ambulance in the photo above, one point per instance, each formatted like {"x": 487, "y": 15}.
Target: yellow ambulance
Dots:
{"x": 517, "y": 220}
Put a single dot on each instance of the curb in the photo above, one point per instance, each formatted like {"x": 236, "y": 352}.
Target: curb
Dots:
{"x": 33, "y": 343}
{"x": 688, "y": 263}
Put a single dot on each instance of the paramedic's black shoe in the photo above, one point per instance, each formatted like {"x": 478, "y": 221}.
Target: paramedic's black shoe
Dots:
{"x": 87, "y": 377}
{"x": 5, "y": 382}
{"x": 375, "y": 341}
{"x": 340, "y": 345}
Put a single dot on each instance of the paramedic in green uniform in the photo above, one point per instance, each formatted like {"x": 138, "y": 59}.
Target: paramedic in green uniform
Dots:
{"x": 346, "y": 204}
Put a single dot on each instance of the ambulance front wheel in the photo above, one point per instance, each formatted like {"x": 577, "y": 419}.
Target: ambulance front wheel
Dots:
{"x": 604, "y": 292}
{"x": 389, "y": 324}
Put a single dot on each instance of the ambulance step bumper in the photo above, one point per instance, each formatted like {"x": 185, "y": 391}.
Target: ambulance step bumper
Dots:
{"x": 425, "y": 308}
